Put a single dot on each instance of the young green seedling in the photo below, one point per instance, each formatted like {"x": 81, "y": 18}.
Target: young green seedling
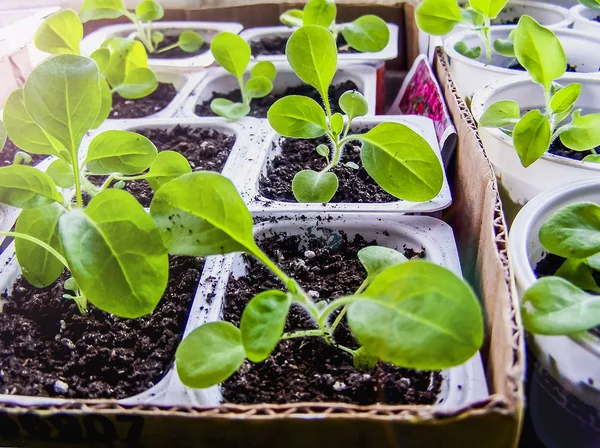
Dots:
{"x": 146, "y": 12}
{"x": 395, "y": 156}
{"x": 366, "y": 34}
{"x": 439, "y": 17}
{"x": 409, "y": 313}
{"x": 123, "y": 62}
{"x": 540, "y": 52}
{"x": 112, "y": 248}
{"x": 594, "y": 4}
{"x": 233, "y": 54}
{"x": 569, "y": 301}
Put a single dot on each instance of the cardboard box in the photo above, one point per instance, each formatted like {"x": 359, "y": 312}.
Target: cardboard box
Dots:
{"x": 476, "y": 217}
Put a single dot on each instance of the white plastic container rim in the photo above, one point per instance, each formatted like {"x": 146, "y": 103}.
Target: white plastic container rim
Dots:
{"x": 389, "y": 52}
{"x": 208, "y": 30}
{"x": 258, "y": 157}
{"x": 462, "y": 384}
{"x": 218, "y": 79}
{"x": 583, "y": 18}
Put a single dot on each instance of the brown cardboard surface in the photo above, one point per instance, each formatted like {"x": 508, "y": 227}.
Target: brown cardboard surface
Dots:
{"x": 481, "y": 237}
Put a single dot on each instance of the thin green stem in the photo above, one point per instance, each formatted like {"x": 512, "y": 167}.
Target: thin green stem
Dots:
{"x": 149, "y": 33}
{"x": 167, "y": 48}
{"x": 90, "y": 187}
{"x": 487, "y": 39}
{"x": 337, "y": 303}
{"x": 245, "y": 98}
{"x": 77, "y": 178}
{"x": 39, "y": 243}
{"x": 107, "y": 182}
{"x": 340, "y": 316}
{"x": 303, "y": 334}
{"x": 126, "y": 178}
{"x": 346, "y": 349}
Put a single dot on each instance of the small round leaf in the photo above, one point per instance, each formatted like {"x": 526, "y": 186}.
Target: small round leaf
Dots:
{"x": 314, "y": 186}
{"x": 167, "y": 166}
{"x": 258, "y": 87}
{"x": 264, "y": 68}
{"x": 61, "y": 174}
{"x": 60, "y": 33}
{"x": 292, "y": 17}
{"x": 354, "y": 104}
{"x": 319, "y": 12}
{"x": 231, "y": 52}
{"x": 367, "y": 34}
{"x": 190, "y": 41}
{"x": 228, "y": 109}
{"x": 297, "y": 116}
{"x": 149, "y": 11}
{"x": 120, "y": 152}
{"x": 531, "y": 137}
{"x": 500, "y": 113}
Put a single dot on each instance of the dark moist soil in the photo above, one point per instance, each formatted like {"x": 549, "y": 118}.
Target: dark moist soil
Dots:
{"x": 260, "y": 106}
{"x": 176, "y": 53}
{"x": 270, "y": 45}
{"x": 47, "y": 348}
{"x": 557, "y": 148}
{"x": 204, "y": 149}
{"x": 143, "y": 107}
{"x": 307, "y": 369}
{"x": 517, "y": 66}
{"x": 7, "y": 156}
{"x": 355, "y": 186}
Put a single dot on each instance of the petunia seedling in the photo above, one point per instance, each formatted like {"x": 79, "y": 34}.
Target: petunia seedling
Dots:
{"x": 540, "y": 52}
{"x": 146, "y": 12}
{"x": 409, "y": 313}
{"x": 567, "y": 302}
{"x": 368, "y": 33}
{"x": 233, "y": 54}
{"x": 394, "y": 155}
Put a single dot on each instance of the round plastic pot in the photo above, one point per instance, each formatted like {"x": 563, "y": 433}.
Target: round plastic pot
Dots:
{"x": 207, "y": 30}
{"x": 584, "y": 19}
{"x": 564, "y": 398}
{"x": 472, "y": 75}
{"x": 461, "y": 385}
{"x": 220, "y": 81}
{"x": 522, "y": 184}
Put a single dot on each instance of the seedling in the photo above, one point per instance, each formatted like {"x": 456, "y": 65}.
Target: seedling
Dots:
{"x": 594, "y": 4}
{"x": 440, "y": 17}
{"x": 366, "y": 34}
{"x": 395, "y": 156}
{"x": 123, "y": 62}
{"x": 409, "y": 313}
{"x": 233, "y": 54}
{"x": 540, "y": 52}
{"x": 112, "y": 248}
{"x": 569, "y": 301}
{"x": 146, "y": 12}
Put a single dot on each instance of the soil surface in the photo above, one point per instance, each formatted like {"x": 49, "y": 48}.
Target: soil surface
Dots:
{"x": 517, "y": 66}
{"x": 299, "y": 154}
{"x": 143, "y": 107}
{"x": 204, "y": 149}
{"x": 7, "y": 156}
{"x": 559, "y": 149}
{"x": 276, "y": 45}
{"x": 260, "y": 106}
{"x": 47, "y": 348}
{"x": 307, "y": 369}
{"x": 176, "y": 53}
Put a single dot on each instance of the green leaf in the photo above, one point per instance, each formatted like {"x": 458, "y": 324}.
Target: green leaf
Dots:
{"x": 323, "y": 150}
{"x": 297, "y": 117}
{"x": 505, "y": 47}
{"x": 258, "y": 87}
{"x": 202, "y": 214}
{"x": 102, "y": 58}
{"x": 401, "y": 162}
{"x": 149, "y": 11}
{"x": 120, "y": 152}
{"x": 101, "y": 9}
{"x": 595, "y": 4}
{"x": 319, "y": 12}
{"x": 554, "y": 306}
{"x": 438, "y": 17}
{"x": 138, "y": 83}
{"x": 565, "y": 98}
{"x": 231, "y": 52}
{"x": 488, "y": 8}
{"x": 353, "y": 104}
{"x": 418, "y": 315}
{"x": 61, "y": 174}
{"x": 592, "y": 158}
{"x": 40, "y": 268}
{"x": 262, "y": 323}
{"x": 583, "y": 132}
{"x": 71, "y": 284}
{"x": 264, "y": 68}
{"x": 472, "y": 17}
{"x": 190, "y": 41}
{"x": 363, "y": 359}
{"x": 167, "y": 166}
{"x": 23, "y": 186}
{"x": 23, "y": 131}
{"x": 501, "y": 113}
{"x": 209, "y": 355}
{"x": 532, "y": 137}
{"x": 126, "y": 56}
{"x": 337, "y": 123}
{"x": 314, "y": 186}
{"x": 465, "y": 50}
{"x": 116, "y": 254}
{"x": 157, "y": 37}
{"x": 60, "y": 33}
{"x": 292, "y": 17}
{"x": 105, "y": 104}
{"x": 539, "y": 51}
{"x": 367, "y": 34}
{"x": 576, "y": 271}
{"x": 3, "y": 136}
{"x": 228, "y": 109}
{"x": 573, "y": 231}
{"x": 312, "y": 54}
{"x": 63, "y": 97}
{"x": 376, "y": 259}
